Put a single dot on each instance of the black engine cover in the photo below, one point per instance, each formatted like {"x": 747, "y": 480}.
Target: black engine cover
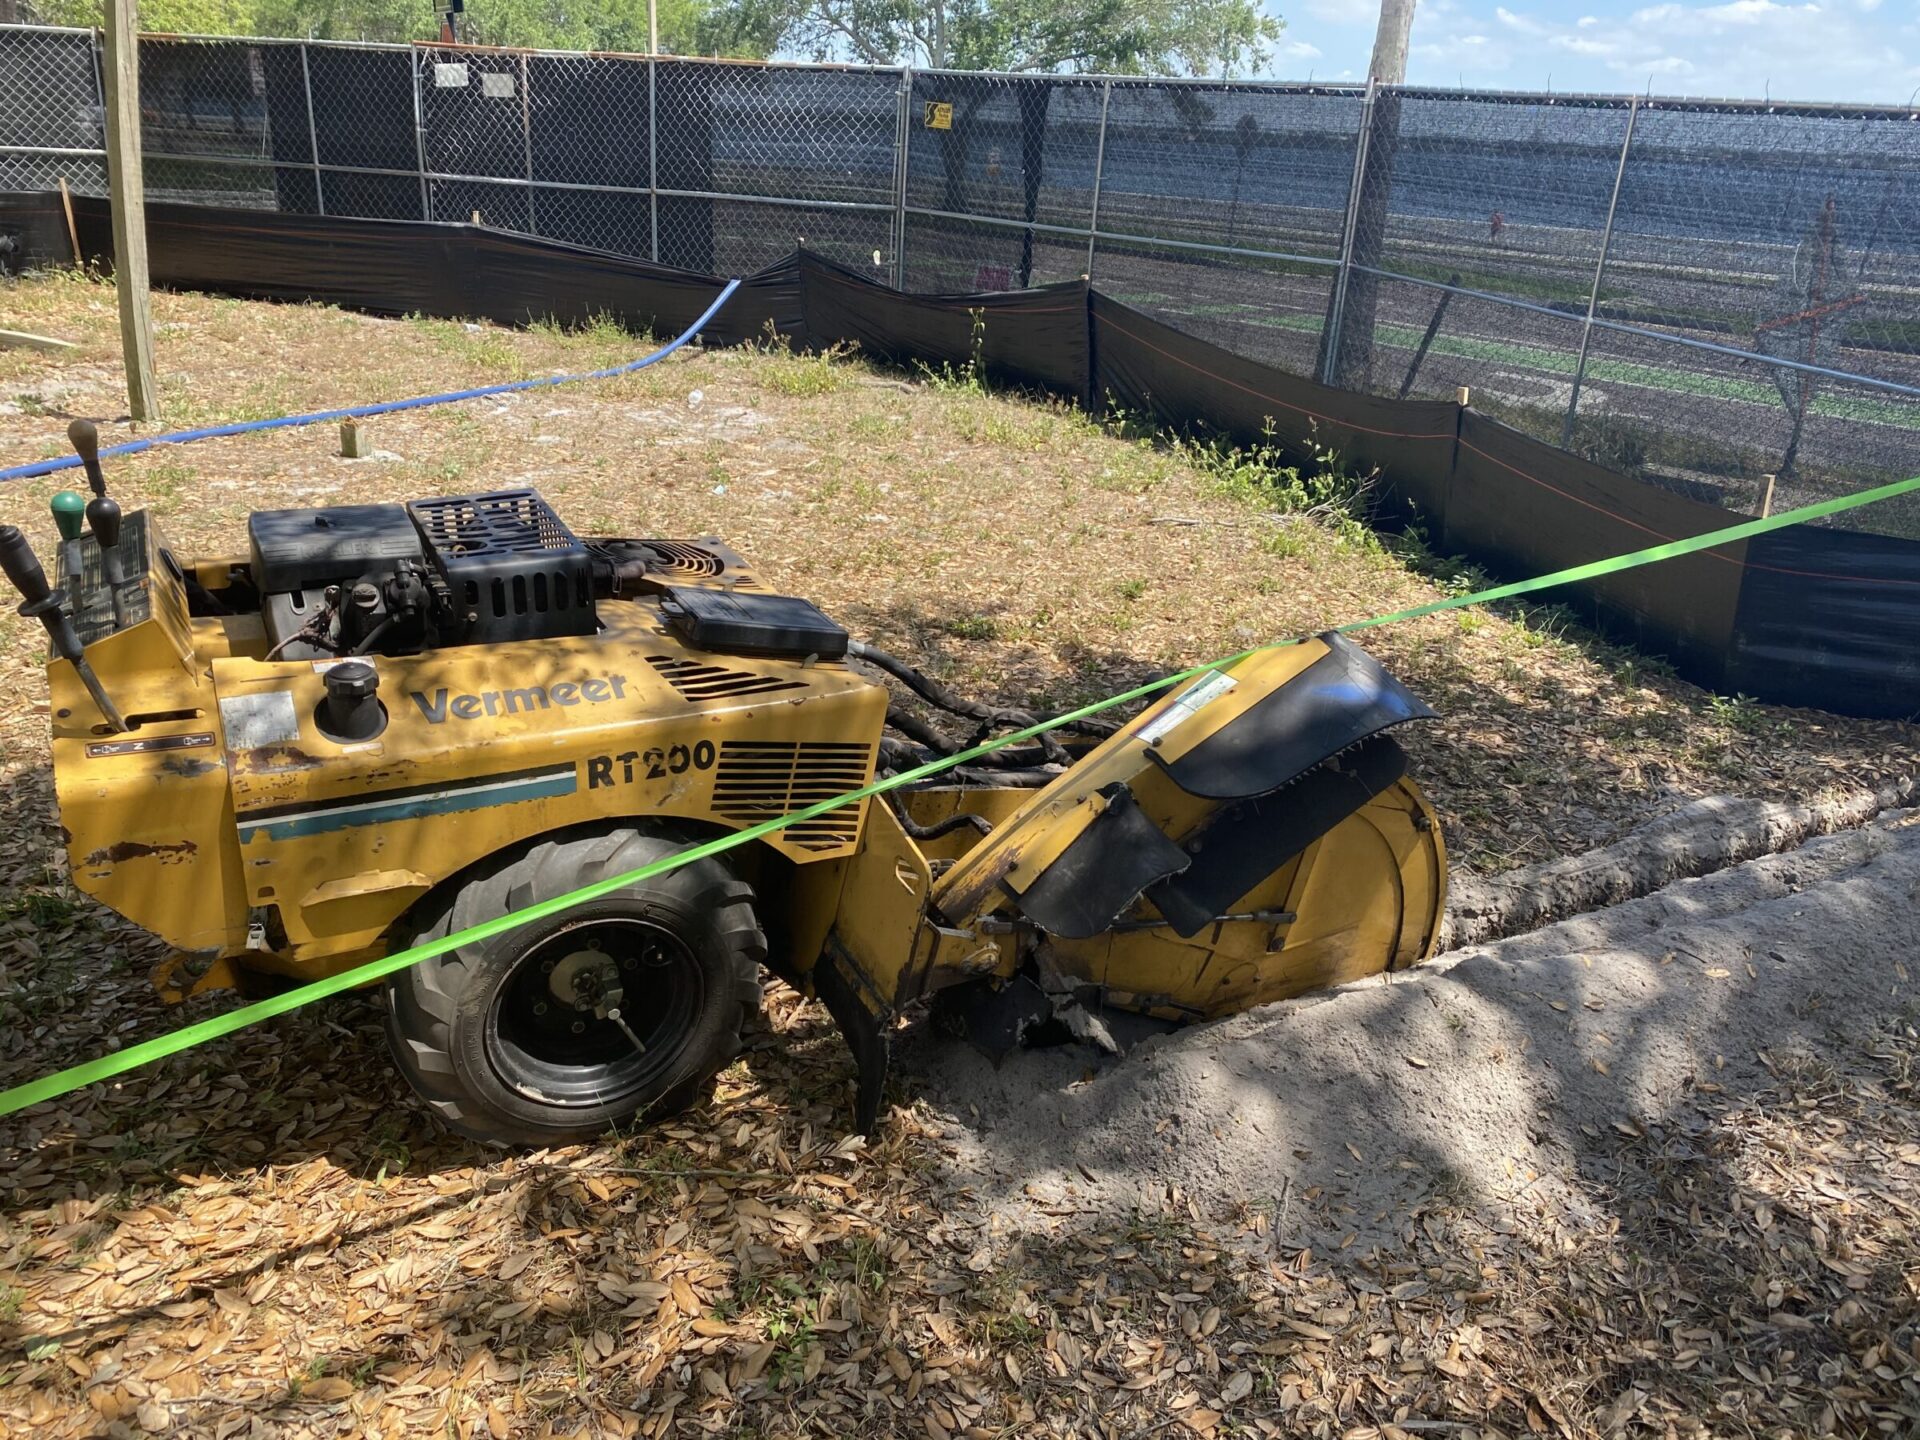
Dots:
{"x": 311, "y": 549}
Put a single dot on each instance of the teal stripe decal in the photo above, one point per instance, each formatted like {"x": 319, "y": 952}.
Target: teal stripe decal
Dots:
{"x": 454, "y": 799}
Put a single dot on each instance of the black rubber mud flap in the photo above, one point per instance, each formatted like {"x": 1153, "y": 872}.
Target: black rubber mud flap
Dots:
{"x": 1246, "y": 842}
{"x": 866, "y": 1031}
{"x": 1338, "y": 701}
{"x": 1103, "y": 871}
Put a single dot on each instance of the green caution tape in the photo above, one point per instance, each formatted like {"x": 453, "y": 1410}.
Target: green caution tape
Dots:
{"x": 61, "y": 1082}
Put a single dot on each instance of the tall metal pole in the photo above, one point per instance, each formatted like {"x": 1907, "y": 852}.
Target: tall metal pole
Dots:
{"x": 1099, "y": 173}
{"x": 526, "y": 138}
{"x": 420, "y": 134}
{"x": 653, "y": 159}
{"x": 127, "y": 187}
{"x": 1599, "y": 271}
{"x": 313, "y": 134}
{"x": 653, "y": 27}
{"x": 902, "y": 147}
{"x": 1336, "y": 310}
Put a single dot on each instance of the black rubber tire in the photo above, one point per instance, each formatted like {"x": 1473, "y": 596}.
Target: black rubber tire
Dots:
{"x": 453, "y": 1032}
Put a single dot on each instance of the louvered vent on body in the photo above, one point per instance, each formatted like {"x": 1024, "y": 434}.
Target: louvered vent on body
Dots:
{"x": 699, "y": 681}
{"x": 761, "y": 779}
{"x": 695, "y": 562}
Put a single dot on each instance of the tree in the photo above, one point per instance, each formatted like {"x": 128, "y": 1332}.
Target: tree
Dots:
{"x": 1138, "y": 37}
{"x": 687, "y": 27}
{"x": 1195, "y": 37}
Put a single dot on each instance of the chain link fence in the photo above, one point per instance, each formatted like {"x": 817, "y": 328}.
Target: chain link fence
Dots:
{"x": 1720, "y": 298}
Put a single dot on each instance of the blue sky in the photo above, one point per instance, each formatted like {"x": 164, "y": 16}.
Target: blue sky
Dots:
{"x": 1812, "y": 50}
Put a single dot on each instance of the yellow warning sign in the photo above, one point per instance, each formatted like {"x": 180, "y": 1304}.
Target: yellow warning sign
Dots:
{"x": 939, "y": 115}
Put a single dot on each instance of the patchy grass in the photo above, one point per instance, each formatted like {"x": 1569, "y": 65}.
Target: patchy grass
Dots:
{"x": 269, "y": 1231}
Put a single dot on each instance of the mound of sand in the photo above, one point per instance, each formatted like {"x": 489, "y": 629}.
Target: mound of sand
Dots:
{"x": 1487, "y": 1074}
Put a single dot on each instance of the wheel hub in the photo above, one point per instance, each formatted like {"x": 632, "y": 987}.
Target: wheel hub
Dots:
{"x": 597, "y": 1009}
{"x": 587, "y": 980}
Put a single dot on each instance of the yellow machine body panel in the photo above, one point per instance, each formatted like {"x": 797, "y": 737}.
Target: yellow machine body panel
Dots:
{"x": 147, "y": 814}
{"x": 1357, "y": 879}
{"x": 1036, "y": 834}
{"x": 227, "y": 823}
{"x": 1372, "y": 889}
{"x": 471, "y": 762}
{"x": 1249, "y": 837}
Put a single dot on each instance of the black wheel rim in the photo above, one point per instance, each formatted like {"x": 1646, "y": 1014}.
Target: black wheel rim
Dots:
{"x": 551, "y": 1033}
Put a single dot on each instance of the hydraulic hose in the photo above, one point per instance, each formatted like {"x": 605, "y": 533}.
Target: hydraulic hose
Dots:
{"x": 383, "y": 407}
{"x": 916, "y": 831}
{"x": 921, "y": 733}
{"x": 941, "y": 698}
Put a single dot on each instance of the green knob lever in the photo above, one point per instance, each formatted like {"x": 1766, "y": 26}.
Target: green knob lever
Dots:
{"x": 69, "y": 513}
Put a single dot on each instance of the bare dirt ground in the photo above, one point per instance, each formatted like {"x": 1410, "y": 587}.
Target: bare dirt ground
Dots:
{"x": 267, "y": 1236}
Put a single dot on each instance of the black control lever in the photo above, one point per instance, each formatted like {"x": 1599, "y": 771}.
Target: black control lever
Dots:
{"x": 68, "y": 508}
{"x": 85, "y": 440}
{"x": 103, "y": 516}
{"x": 37, "y": 601}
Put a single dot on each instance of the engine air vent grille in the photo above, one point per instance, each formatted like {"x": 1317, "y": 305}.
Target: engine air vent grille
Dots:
{"x": 694, "y": 562}
{"x": 701, "y": 682}
{"x": 762, "y": 779}
{"x": 502, "y": 522}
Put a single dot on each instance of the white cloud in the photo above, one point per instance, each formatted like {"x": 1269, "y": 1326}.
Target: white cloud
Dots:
{"x": 1833, "y": 50}
{"x": 1344, "y": 12}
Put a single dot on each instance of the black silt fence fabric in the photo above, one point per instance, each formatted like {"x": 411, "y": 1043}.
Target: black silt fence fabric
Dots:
{"x": 32, "y": 232}
{"x": 1520, "y": 506}
{"x": 409, "y": 267}
{"x": 1031, "y": 337}
{"x": 1810, "y": 615}
{"x": 1827, "y": 618}
{"x": 1143, "y": 366}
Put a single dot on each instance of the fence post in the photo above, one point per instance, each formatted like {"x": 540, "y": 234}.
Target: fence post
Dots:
{"x": 653, "y": 159}
{"x": 127, "y": 187}
{"x": 420, "y": 134}
{"x": 1336, "y": 312}
{"x": 1099, "y": 173}
{"x": 902, "y": 140}
{"x": 526, "y": 138}
{"x": 313, "y": 133}
{"x": 1599, "y": 270}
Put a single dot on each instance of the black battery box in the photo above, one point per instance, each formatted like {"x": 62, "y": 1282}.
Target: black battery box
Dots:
{"x": 735, "y": 622}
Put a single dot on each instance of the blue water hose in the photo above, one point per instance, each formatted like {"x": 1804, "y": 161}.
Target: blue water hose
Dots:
{"x": 384, "y": 407}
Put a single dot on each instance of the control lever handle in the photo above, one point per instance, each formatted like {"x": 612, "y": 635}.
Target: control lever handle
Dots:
{"x": 38, "y": 602}
{"x": 67, "y": 509}
{"x": 68, "y": 512}
{"x": 23, "y": 570}
{"x": 103, "y": 515}
{"x": 103, "y": 518}
{"x": 84, "y": 436}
